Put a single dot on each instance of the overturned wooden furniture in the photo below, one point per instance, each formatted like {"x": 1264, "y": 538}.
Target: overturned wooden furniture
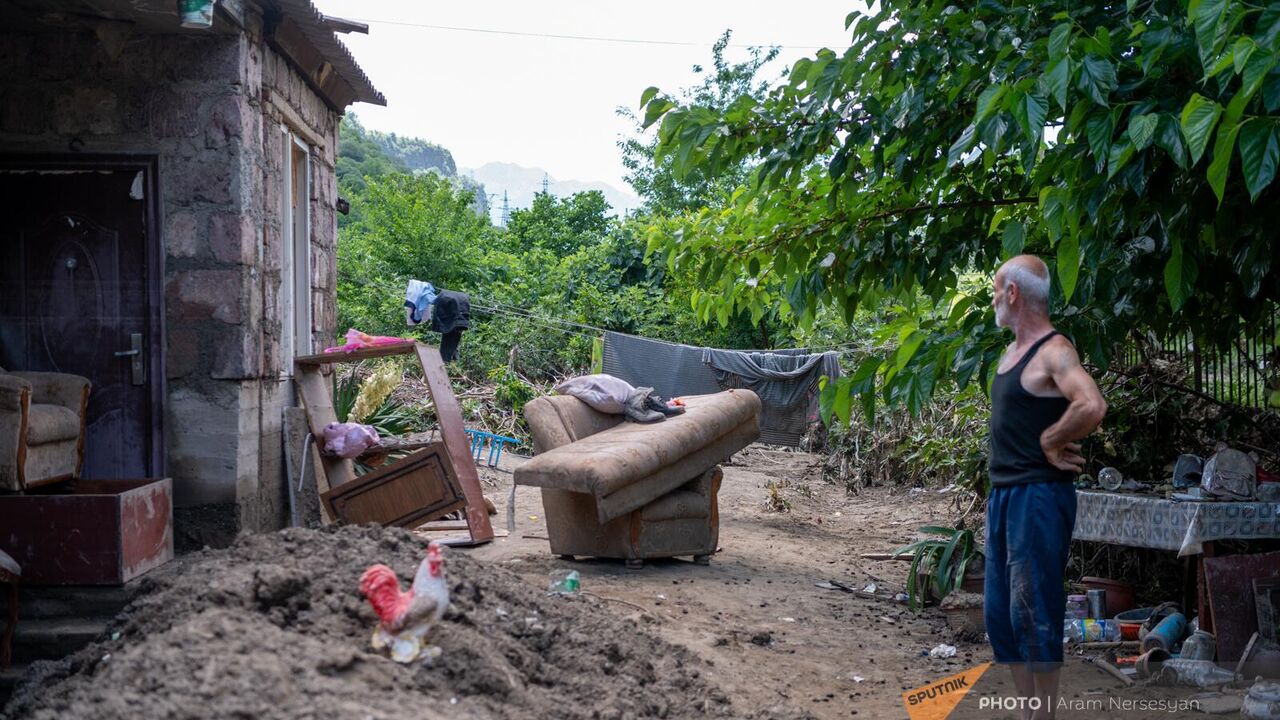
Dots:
{"x": 634, "y": 492}
{"x": 415, "y": 489}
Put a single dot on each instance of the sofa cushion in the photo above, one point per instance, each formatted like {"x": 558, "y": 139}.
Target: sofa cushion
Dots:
{"x": 676, "y": 505}
{"x": 51, "y": 423}
{"x": 609, "y": 461}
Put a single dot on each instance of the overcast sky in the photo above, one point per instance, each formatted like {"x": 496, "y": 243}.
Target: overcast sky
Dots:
{"x": 549, "y": 102}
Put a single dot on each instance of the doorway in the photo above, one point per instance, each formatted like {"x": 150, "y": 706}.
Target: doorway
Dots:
{"x": 81, "y": 266}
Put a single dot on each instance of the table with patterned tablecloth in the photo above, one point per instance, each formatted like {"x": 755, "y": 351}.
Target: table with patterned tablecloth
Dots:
{"x": 1160, "y": 524}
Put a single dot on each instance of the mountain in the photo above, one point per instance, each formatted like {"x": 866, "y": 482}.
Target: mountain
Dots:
{"x": 522, "y": 183}
{"x": 415, "y": 153}
{"x": 369, "y": 153}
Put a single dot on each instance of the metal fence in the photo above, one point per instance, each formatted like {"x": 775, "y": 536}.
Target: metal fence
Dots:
{"x": 1238, "y": 375}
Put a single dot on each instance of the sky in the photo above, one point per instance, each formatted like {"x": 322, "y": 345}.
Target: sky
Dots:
{"x": 550, "y": 102}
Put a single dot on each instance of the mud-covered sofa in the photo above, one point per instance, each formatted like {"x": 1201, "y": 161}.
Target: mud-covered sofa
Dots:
{"x": 42, "y": 428}
{"x": 632, "y": 491}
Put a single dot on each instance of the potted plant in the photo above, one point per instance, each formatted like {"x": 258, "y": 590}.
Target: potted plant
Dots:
{"x": 952, "y": 560}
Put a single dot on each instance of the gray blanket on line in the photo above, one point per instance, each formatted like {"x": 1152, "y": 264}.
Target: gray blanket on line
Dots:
{"x": 785, "y": 380}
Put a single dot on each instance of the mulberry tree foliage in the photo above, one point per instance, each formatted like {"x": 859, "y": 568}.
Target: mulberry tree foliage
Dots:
{"x": 1133, "y": 145}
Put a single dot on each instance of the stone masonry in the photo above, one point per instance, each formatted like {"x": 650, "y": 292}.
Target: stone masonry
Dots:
{"x": 207, "y": 105}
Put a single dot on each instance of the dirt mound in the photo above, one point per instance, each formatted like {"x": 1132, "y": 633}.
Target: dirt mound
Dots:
{"x": 274, "y": 627}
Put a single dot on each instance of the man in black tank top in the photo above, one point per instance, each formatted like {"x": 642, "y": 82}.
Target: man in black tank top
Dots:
{"x": 1042, "y": 403}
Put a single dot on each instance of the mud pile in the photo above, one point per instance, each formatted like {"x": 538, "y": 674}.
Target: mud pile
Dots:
{"x": 275, "y": 627}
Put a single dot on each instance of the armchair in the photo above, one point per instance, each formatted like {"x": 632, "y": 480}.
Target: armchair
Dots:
{"x": 42, "y": 424}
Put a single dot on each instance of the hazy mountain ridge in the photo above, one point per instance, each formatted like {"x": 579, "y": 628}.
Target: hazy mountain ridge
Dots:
{"x": 522, "y": 183}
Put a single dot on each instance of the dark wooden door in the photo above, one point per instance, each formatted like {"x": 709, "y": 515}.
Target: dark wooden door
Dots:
{"x": 74, "y": 298}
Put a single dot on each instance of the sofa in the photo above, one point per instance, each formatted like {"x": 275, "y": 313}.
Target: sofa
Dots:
{"x": 631, "y": 491}
{"x": 42, "y": 425}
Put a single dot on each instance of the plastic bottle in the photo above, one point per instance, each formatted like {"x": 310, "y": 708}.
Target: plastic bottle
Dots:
{"x": 1167, "y": 633}
{"x": 1200, "y": 646}
{"x": 1077, "y": 630}
{"x": 564, "y": 582}
{"x": 1077, "y": 607}
{"x": 1192, "y": 673}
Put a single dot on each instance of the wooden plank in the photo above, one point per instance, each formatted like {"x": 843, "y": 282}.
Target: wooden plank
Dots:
{"x": 444, "y": 525}
{"x": 292, "y": 118}
{"x": 405, "y": 348}
{"x": 314, "y": 392}
{"x": 452, "y": 430}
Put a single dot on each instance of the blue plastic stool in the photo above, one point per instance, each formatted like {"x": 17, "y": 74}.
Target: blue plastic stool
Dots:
{"x": 496, "y": 443}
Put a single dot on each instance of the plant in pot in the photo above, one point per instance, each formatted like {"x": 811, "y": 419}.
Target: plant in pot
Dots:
{"x": 953, "y": 560}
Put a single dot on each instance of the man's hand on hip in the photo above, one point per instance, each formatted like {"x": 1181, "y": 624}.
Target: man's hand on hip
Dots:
{"x": 1067, "y": 457}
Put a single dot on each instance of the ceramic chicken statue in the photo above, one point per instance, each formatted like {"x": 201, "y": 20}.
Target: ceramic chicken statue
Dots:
{"x": 407, "y": 617}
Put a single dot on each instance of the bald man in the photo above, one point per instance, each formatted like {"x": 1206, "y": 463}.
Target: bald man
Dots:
{"x": 1042, "y": 402}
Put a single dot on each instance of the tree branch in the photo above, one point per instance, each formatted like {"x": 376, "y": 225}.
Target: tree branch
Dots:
{"x": 950, "y": 206}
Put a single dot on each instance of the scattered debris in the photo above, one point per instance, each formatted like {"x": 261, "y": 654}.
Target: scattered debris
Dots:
{"x": 1217, "y": 703}
{"x": 1192, "y": 673}
{"x": 1111, "y": 670}
{"x": 943, "y": 651}
{"x": 564, "y": 582}
{"x": 1262, "y": 702}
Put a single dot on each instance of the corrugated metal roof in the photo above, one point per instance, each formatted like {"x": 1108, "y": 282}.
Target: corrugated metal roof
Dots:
{"x": 318, "y": 33}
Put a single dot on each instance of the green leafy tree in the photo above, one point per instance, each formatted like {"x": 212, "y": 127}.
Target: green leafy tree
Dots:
{"x": 665, "y": 192}
{"x": 406, "y": 226}
{"x": 1133, "y": 144}
{"x": 561, "y": 225}
{"x": 359, "y": 157}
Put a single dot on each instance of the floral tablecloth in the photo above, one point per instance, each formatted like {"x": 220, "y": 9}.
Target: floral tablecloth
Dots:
{"x": 1151, "y": 522}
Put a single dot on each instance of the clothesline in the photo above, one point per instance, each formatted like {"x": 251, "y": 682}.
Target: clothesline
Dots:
{"x": 533, "y": 321}
{"x": 550, "y": 322}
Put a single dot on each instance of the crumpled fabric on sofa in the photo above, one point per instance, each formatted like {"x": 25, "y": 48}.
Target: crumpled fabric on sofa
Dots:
{"x": 622, "y": 490}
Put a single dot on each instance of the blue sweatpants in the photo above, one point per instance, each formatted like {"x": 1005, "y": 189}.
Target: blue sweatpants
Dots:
{"x": 1028, "y": 537}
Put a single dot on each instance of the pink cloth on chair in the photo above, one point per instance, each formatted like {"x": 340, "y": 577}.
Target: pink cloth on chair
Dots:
{"x": 357, "y": 340}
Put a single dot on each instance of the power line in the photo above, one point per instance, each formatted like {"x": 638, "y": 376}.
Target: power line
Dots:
{"x": 591, "y": 38}
{"x": 531, "y": 322}
{"x": 550, "y": 322}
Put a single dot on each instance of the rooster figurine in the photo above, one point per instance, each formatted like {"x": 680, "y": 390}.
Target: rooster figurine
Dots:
{"x": 407, "y": 617}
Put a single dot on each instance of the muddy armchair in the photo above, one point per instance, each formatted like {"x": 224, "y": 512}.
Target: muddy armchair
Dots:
{"x": 42, "y": 422}
{"x": 633, "y": 492}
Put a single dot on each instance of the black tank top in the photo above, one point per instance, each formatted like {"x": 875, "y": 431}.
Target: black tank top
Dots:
{"x": 1018, "y": 418}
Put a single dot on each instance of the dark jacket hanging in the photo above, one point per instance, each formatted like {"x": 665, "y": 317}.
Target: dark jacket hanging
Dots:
{"x": 452, "y": 315}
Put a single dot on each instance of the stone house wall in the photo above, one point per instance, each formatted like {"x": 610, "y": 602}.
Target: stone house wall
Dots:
{"x": 209, "y": 106}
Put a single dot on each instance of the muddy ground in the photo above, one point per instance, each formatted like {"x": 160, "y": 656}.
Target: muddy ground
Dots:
{"x": 274, "y": 627}
{"x": 771, "y": 636}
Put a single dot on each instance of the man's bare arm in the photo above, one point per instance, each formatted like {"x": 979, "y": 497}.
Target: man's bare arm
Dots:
{"x": 1082, "y": 416}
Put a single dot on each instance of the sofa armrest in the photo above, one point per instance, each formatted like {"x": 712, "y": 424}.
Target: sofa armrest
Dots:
{"x": 15, "y": 395}
{"x": 52, "y": 388}
{"x": 11, "y": 391}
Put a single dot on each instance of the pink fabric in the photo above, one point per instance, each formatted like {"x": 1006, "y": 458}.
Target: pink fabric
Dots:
{"x": 357, "y": 340}
{"x": 348, "y": 440}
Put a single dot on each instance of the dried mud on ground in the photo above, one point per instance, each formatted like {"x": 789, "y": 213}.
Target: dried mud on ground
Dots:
{"x": 275, "y": 627}
{"x": 774, "y": 640}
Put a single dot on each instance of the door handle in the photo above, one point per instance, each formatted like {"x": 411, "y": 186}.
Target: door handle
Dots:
{"x": 137, "y": 364}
